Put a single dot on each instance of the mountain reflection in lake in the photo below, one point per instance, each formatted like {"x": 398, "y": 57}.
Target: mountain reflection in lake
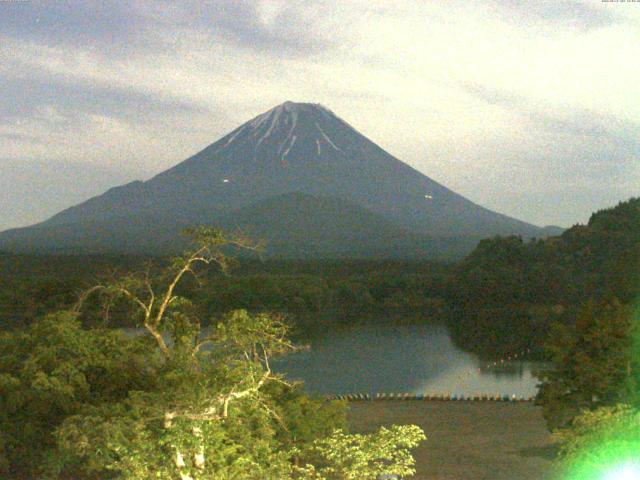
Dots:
{"x": 373, "y": 358}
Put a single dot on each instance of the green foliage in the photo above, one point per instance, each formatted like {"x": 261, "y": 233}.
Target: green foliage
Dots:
{"x": 52, "y": 369}
{"x": 344, "y": 456}
{"x": 304, "y": 418}
{"x": 133, "y": 441}
{"x": 342, "y": 296}
{"x": 508, "y": 289}
{"x": 591, "y": 363}
{"x": 599, "y": 442}
{"x": 172, "y": 400}
{"x": 302, "y": 289}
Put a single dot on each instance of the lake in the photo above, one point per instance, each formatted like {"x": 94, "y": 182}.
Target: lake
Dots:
{"x": 415, "y": 358}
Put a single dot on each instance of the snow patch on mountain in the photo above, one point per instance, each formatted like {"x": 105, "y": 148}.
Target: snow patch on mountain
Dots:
{"x": 286, "y": 152}
{"x": 326, "y": 137}
{"x": 233, "y": 137}
{"x": 274, "y": 122}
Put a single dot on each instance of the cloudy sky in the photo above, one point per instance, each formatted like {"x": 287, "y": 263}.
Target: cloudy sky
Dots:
{"x": 529, "y": 108}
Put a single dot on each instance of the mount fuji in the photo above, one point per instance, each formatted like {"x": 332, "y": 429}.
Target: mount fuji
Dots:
{"x": 298, "y": 176}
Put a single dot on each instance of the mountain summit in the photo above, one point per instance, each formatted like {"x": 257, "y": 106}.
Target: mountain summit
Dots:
{"x": 282, "y": 158}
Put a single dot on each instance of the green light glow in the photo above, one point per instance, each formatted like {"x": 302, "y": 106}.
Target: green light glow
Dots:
{"x": 604, "y": 444}
{"x": 629, "y": 471}
{"x": 608, "y": 447}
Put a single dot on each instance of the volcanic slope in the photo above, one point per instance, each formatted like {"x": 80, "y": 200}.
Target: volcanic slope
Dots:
{"x": 253, "y": 173}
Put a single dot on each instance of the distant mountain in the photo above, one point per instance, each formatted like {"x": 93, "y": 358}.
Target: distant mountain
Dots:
{"x": 551, "y": 231}
{"x": 304, "y": 226}
{"x": 297, "y": 174}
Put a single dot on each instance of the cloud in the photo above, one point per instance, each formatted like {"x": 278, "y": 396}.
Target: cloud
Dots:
{"x": 113, "y": 28}
{"x": 480, "y": 96}
{"x": 137, "y": 28}
{"x": 25, "y": 95}
{"x": 31, "y": 189}
{"x": 581, "y": 15}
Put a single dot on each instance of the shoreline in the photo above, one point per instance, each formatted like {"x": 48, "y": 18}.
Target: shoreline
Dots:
{"x": 431, "y": 397}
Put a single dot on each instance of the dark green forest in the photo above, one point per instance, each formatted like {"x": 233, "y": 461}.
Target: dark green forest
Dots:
{"x": 508, "y": 292}
{"x": 501, "y": 299}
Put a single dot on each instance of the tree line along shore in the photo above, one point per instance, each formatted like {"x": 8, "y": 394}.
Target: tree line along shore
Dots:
{"x": 502, "y": 298}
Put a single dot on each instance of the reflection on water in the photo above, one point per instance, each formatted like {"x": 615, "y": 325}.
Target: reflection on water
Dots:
{"x": 369, "y": 358}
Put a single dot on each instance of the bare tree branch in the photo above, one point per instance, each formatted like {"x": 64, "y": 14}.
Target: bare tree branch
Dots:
{"x": 154, "y": 306}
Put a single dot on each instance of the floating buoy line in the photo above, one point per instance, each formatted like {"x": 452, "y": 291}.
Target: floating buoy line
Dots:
{"x": 449, "y": 396}
{"x": 433, "y": 397}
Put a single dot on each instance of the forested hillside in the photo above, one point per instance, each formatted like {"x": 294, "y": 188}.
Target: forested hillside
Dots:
{"x": 305, "y": 291}
{"x": 501, "y": 299}
{"x": 507, "y": 292}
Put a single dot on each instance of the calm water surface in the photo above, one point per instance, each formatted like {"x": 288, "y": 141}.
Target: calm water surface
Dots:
{"x": 372, "y": 358}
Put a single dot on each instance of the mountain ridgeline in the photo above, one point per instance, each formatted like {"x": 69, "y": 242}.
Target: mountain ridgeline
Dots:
{"x": 297, "y": 176}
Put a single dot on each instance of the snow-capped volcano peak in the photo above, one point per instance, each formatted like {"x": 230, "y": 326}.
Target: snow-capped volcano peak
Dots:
{"x": 290, "y": 106}
{"x": 288, "y": 128}
{"x": 293, "y": 148}
{"x": 288, "y": 109}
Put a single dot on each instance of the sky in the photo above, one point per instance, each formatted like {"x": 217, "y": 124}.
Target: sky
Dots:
{"x": 528, "y": 108}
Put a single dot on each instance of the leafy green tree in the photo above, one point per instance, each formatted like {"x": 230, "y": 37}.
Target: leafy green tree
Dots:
{"x": 208, "y": 418}
{"x": 175, "y": 401}
{"x": 591, "y": 365}
{"x": 346, "y": 456}
{"x": 305, "y": 419}
{"x": 53, "y": 369}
